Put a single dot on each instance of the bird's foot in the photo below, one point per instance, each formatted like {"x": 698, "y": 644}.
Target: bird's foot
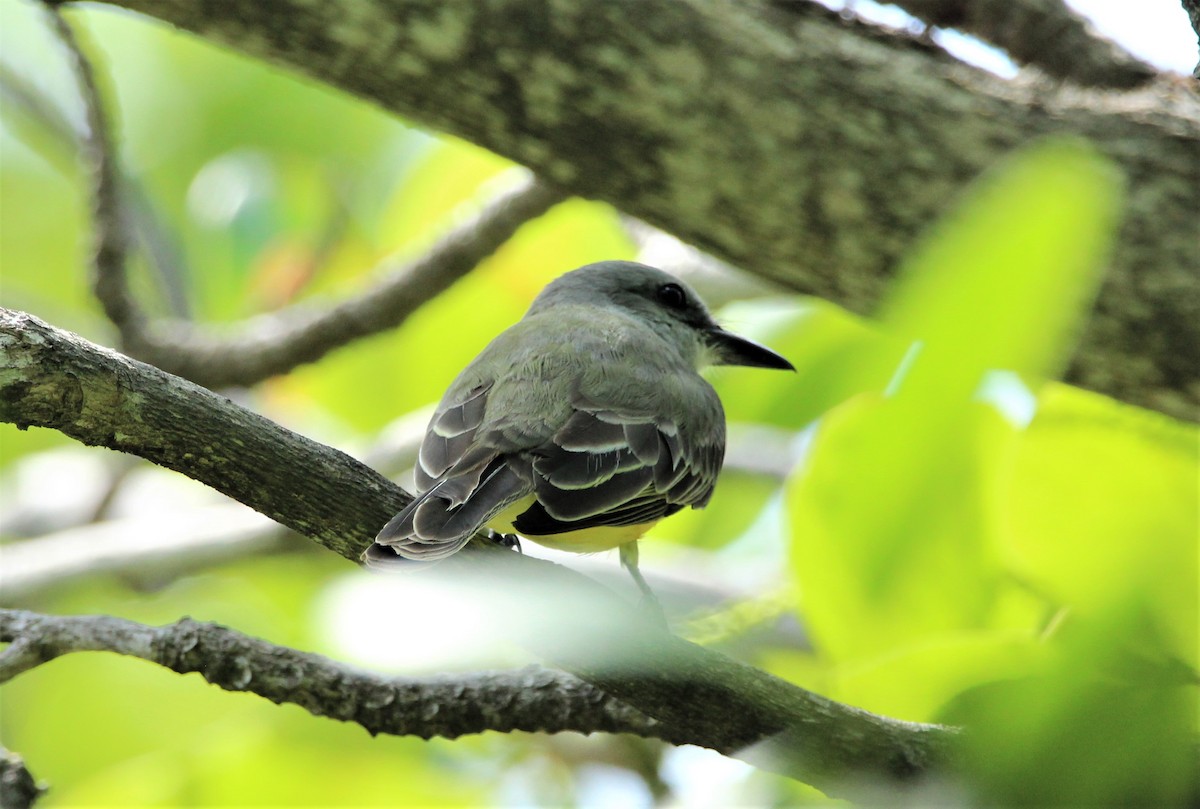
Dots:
{"x": 506, "y": 540}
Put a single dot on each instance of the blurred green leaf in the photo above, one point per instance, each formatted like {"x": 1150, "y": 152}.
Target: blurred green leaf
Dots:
{"x": 893, "y": 528}
{"x": 1084, "y": 726}
{"x": 836, "y": 356}
{"x": 736, "y": 504}
{"x": 1004, "y": 281}
{"x": 894, "y": 517}
{"x": 1103, "y": 501}
{"x": 915, "y": 682}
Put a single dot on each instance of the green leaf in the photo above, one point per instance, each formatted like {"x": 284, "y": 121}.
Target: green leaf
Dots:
{"x": 1085, "y": 725}
{"x": 895, "y": 517}
{"x": 1005, "y": 280}
{"x": 1102, "y": 502}
{"x": 893, "y": 541}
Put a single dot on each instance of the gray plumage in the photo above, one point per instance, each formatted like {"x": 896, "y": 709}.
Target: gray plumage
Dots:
{"x": 591, "y": 403}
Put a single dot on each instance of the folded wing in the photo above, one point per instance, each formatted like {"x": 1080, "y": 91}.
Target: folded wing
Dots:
{"x": 601, "y": 466}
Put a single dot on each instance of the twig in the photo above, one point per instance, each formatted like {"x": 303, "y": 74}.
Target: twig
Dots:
{"x": 275, "y": 343}
{"x": 110, "y": 239}
{"x": 1043, "y": 33}
{"x": 170, "y": 543}
{"x": 531, "y": 699}
{"x": 272, "y": 343}
{"x": 139, "y": 220}
{"x": 23, "y": 101}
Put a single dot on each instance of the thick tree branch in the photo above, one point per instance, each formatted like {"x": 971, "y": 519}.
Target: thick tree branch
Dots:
{"x": 785, "y": 141}
{"x": 532, "y": 699}
{"x": 53, "y": 379}
{"x": 50, "y": 378}
{"x": 1044, "y": 33}
{"x": 277, "y": 342}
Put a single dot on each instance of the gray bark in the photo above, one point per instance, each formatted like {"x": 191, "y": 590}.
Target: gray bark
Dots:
{"x": 795, "y": 144}
{"x": 531, "y": 699}
{"x": 51, "y": 378}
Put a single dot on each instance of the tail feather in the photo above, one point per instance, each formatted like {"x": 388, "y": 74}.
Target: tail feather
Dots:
{"x": 433, "y": 526}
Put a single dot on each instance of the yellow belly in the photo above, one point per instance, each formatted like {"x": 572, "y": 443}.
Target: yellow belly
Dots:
{"x": 585, "y": 540}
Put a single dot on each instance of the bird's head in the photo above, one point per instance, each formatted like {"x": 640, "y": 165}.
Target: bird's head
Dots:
{"x": 663, "y": 302}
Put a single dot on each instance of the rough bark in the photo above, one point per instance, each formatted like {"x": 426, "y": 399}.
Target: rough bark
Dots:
{"x": 803, "y": 147}
{"x": 531, "y": 699}
{"x": 51, "y": 378}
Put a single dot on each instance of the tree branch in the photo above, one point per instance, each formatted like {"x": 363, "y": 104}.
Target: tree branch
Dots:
{"x": 1044, "y": 33}
{"x": 272, "y": 343}
{"x": 532, "y": 699}
{"x": 787, "y": 142}
{"x": 50, "y": 378}
{"x": 1192, "y": 7}
{"x": 18, "y": 788}
{"x": 171, "y": 543}
{"x": 277, "y": 342}
{"x": 54, "y": 379}
{"x": 110, "y": 238}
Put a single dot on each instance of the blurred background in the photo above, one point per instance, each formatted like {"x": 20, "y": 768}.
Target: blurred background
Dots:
{"x": 890, "y": 532}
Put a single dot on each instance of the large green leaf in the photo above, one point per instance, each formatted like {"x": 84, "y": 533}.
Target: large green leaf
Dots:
{"x": 1004, "y": 281}
{"x": 895, "y": 516}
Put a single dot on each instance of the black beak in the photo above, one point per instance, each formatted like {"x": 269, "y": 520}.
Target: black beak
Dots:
{"x": 733, "y": 350}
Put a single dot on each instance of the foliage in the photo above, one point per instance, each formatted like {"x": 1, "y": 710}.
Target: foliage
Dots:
{"x": 966, "y": 540}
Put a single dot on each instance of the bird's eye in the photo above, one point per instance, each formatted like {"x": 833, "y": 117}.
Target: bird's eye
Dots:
{"x": 671, "y": 296}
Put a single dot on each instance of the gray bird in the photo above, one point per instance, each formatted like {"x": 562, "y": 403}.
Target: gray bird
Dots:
{"x": 579, "y": 427}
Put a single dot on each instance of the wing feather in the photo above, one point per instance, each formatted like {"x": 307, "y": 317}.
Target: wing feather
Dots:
{"x": 451, "y": 434}
{"x": 585, "y": 476}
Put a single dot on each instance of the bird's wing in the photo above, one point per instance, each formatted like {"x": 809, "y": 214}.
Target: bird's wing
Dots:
{"x": 625, "y": 466}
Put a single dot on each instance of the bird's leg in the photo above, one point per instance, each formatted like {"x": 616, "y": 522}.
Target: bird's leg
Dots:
{"x": 649, "y": 603}
{"x": 505, "y": 540}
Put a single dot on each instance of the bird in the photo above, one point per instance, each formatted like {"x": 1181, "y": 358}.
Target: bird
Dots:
{"x": 579, "y": 427}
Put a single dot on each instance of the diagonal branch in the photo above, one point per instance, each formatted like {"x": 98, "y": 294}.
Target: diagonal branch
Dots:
{"x": 51, "y": 378}
{"x": 54, "y": 379}
{"x": 1043, "y": 33}
{"x": 275, "y": 343}
{"x": 272, "y": 343}
{"x": 111, "y": 242}
{"x": 531, "y": 699}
